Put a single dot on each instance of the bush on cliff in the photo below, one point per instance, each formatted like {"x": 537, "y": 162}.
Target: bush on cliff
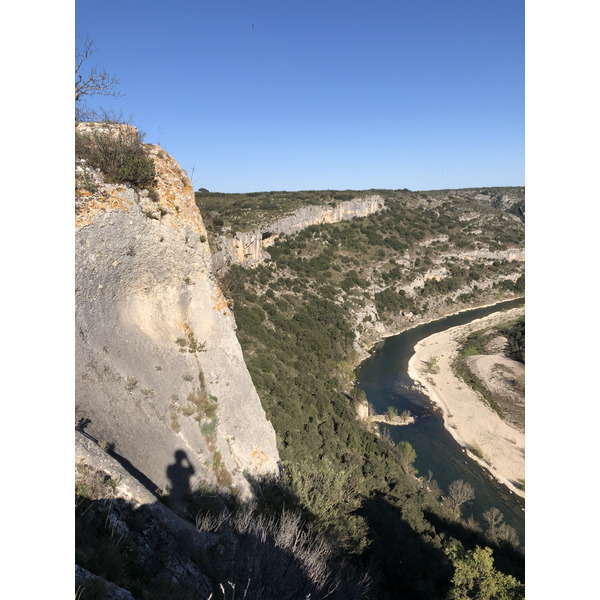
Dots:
{"x": 118, "y": 153}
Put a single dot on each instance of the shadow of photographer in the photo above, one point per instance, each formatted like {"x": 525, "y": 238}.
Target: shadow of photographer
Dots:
{"x": 180, "y": 474}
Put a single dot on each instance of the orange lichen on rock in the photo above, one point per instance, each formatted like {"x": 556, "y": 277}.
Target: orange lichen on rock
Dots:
{"x": 220, "y": 304}
{"x": 175, "y": 191}
{"x": 259, "y": 457}
{"x": 94, "y": 203}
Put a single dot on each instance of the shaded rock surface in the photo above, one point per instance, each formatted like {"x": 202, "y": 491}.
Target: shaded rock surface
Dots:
{"x": 129, "y": 544}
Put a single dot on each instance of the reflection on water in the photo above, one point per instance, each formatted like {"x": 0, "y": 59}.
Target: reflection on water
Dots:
{"x": 384, "y": 379}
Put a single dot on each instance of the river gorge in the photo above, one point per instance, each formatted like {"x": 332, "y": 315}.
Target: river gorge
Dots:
{"x": 384, "y": 379}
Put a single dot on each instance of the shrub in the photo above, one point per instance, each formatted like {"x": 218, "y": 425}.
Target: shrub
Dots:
{"x": 331, "y": 495}
{"x": 433, "y": 365}
{"x": 515, "y": 335}
{"x": 223, "y": 476}
{"x": 209, "y": 427}
{"x": 175, "y": 422}
{"x": 391, "y": 414}
{"x": 475, "y": 577}
{"x": 282, "y": 556}
{"x": 119, "y": 154}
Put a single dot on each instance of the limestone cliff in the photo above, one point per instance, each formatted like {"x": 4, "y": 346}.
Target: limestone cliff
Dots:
{"x": 249, "y": 248}
{"x": 160, "y": 376}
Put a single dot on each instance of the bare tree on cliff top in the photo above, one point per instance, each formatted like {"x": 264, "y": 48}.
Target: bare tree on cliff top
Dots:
{"x": 90, "y": 81}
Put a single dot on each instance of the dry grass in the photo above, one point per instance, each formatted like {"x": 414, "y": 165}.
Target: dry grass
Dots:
{"x": 92, "y": 483}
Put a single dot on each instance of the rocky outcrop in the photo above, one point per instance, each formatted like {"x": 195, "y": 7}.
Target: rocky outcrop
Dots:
{"x": 160, "y": 376}
{"x": 122, "y": 504}
{"x": 512, "y": 254}
{"x": 249, "y": 248}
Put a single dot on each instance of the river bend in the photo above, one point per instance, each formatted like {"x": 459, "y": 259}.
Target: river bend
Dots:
{"x": 384, "y": 379}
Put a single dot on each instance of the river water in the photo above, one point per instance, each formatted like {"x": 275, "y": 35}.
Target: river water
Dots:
{"x": 384, "y": 379}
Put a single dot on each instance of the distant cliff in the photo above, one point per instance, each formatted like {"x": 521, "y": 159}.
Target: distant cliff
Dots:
{"x": 160, "y": 376}
{"x": 249, "y": 248}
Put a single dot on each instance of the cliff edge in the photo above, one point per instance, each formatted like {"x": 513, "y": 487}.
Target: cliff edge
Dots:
{"x": 160, "y": 376}
{"x": 249, "y": 248}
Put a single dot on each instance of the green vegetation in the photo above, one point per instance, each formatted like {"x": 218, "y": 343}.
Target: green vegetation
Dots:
{"x": 190, "y": 342}
{"x": 203, "y": 405}
{"x": 409, "y": 219}
{"x": 118, "y": 153}
{"x": 475, "y": 343}
{"x": 433, "y": 365}
{"x": 477, "y": 451}
{"x": 222, "y": 474}
{"x": 294, "y": 318}
{"x": 209, "y": 427}
{"x": 476, "y": 577}
{"x": 175, "y": 422}
{"x": 462, "y": 370}
{"x": 265, "y": 551}
{"x": 375, "y": 260}
{"x": 332, "y": 496}
{"x": 515, "y": 335}
{"x": 391, "y": 413}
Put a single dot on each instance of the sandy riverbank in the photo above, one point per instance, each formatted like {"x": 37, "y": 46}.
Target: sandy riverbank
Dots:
{"x": 466, "y": 416}
{"x": 364, "y": 351}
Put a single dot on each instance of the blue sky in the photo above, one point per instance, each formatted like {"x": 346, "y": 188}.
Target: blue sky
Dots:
{"x": 273, "y": 95}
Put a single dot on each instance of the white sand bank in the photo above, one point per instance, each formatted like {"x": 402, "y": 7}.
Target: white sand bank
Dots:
{"x": 466, "y": 415}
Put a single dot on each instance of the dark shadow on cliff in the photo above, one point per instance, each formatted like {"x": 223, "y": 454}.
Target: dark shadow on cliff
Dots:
{"x": 406, "y": 564}
{"x": 266, "y": 549}
{"x": 266, "y": 552}
{"x": 110, "y": 450}
{"x": 407, "y": 555}
{"x": 507, "y": 558}
{"x": 179, "y": 474}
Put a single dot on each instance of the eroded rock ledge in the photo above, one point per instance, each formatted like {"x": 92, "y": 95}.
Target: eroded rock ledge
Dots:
{"x": 249, "y": 248}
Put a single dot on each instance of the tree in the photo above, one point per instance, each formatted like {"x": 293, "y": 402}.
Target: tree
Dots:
{"x": 493, "y": 517}
{"x": 92, "y": 82}
{"x": 406, "y": 456}
{"x": 476, "y": 578}
{"x": 432, "y": 486}
{"x": 460, "y": 492}
{"x": 508, "y": 534}
{"x": 391, "y": 414}
{"x": 433, "y": 365}
{"x": 331, "y": 495}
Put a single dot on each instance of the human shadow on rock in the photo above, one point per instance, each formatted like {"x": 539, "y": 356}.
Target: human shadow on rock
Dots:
{"x": 151, "y": 552}
{"x": 179, "y": 474}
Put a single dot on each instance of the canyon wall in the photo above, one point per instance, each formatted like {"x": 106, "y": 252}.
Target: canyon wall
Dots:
{"x": 160, "y": 375}
{"x": 249, "y": 248}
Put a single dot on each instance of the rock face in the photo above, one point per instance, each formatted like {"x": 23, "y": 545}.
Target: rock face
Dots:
{"x": 248, "y": 248}
{"x": 160, "y": 375}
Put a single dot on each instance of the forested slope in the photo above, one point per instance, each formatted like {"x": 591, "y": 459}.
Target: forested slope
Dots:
{"x": 304, "y": 321}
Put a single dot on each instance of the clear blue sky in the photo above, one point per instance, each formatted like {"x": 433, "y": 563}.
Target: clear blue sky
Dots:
{"x": 277, "y": 95}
